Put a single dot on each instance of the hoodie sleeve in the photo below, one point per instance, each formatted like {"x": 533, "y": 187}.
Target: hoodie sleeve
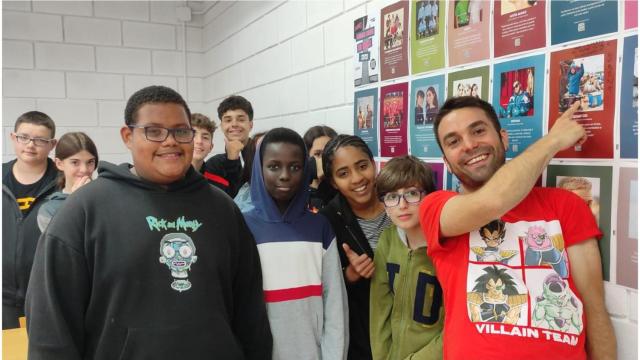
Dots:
{"x": 250, "y": 322}
{"x": 335, "y": 332}
{"x": 56, "y": 300}
{"x": 224, "y": 173}
{"x": 380, "y": 303}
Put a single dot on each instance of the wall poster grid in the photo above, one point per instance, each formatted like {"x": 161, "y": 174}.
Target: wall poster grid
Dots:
{"x": 528, "y": 81}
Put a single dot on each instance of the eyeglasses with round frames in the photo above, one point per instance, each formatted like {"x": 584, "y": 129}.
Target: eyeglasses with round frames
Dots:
{"x": 25, "y": 139}
{"x": 160, "y": 134}
{"x": 392, "y": 199}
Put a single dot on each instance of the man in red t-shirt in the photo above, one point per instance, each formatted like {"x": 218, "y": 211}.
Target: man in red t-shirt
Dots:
{"x": 519, "y": 265}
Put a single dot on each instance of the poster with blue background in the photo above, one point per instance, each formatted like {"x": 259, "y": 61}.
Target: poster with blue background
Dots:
{"x": 629, "y": 100}
{"x": 365, "y": 115}
{"x": 518, "y": 94}
{"x": 573, "y": 20}
{"x": 427, "y": 96}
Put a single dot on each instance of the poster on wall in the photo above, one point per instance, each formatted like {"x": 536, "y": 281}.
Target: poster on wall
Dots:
{"x": 518, "y": 93}
{"x": 586, "y": 74}
{"x": 630, "y": 14}
{"x": 593, "y": 185}
{"x": 518, "y": 26}
{"x": 573, "y": 20}
{"x": 468, "y": 31}
{"x": 427, "y": 35}
{"x": 627, "y": 229}
{"x": 366, "y": 61}
{"x": 437, "y": 170}
{"x": 427, "y": 96}
{"x": 629, "y": 100}
{"x": 472, "y": 82}
{"x": 394, "y": 43}
{"x": 393, "y": 120}
{"x": 364, "y": 116}
{"x": 452, "y": 183}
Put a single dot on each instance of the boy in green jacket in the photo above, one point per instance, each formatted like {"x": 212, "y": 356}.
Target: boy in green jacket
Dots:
{"x": 406, "y": 311}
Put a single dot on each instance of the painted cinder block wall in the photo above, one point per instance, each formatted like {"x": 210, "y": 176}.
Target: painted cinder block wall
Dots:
{"x": 79, "y": 61}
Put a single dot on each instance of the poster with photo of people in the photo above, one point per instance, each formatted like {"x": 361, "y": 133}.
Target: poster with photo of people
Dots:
{"x": 427, "y": 30}
{"x": 586, "y": 74}
{"x": 593, "y": 185}
{"x": 427, "y": 96}
{"x": 518, "y": 94}
{"x": 393, "y": 120}
{"x": 394, "y": 40}
{"x": 574, "y": 20}
{"x": 627, "y": 228}
{"x": 518, "y": 25}
{"x": 629, "y": 100}
{"x": 471, "y": 82}
{"x": 366, "y": 59}
{"x": 468, "y": 31}
{"x": 365, "y": 115}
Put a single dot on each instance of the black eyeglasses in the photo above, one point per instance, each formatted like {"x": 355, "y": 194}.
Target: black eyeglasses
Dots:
{"x": 393, "y": 198}
{"x": 160, "y": 134}
{"x": 25, "y": 139}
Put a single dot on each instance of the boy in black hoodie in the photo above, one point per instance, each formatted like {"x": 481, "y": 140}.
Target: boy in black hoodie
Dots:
{"x": 138, "y": 264}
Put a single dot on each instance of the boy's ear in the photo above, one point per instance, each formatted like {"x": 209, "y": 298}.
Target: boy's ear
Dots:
{"x": 126, "y": 133}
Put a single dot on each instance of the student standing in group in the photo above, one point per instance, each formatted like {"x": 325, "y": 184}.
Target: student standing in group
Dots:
{"x": 358, "y": 218}
{"x": 230, "y": 170}
{"x": 138, "y": 264}
{"x": 320, "y": 191}
{"x": 26, "y": 182}
{"x": 76, "y": 157}
{"x": 303, "y": 286}
{"x": 203, "y": 140}
{"x": 407, "y": 311}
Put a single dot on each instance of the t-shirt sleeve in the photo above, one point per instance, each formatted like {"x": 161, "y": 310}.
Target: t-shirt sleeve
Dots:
{"x": 577, "y": 220}
{"x": 430, "y": 211}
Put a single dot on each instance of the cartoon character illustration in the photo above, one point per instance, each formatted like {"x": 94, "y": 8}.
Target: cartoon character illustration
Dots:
{"x": 493, "y": 235}
{"x": 557, "y": 308}
{"x": 543, "y": 250}
{"x": 178, "y": 252}
{"x": 495, "y": 298}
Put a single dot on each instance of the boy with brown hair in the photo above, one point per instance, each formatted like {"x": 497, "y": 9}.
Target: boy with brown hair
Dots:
{"x": 203, "y": 140}
{"x": 26, "y": 182}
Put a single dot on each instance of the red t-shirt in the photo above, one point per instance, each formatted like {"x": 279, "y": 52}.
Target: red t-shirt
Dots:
{"x": 515, "y": 300}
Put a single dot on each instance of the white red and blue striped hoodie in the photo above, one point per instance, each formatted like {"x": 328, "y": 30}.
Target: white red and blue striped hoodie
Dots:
{"x": 302, "y": 277}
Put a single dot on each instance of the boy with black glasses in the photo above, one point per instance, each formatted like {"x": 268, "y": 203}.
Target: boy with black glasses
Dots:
{"x": 406, "y": 313}
{"x": 26, "y": 183}
{"x": 138, "y": 264}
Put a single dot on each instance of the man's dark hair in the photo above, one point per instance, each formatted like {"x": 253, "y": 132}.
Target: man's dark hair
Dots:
{"x": 235, "y": 102}
{"x": 315, "y": 132}
{"x": 152, "y": 95}
{"x": 461, "y": 102}
{"x": 36, "y": 118}
{"x": 329, "y": 152}
{"x": 282, "y": 135}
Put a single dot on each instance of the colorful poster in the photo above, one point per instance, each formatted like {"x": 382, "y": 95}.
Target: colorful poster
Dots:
{"x": 394, "y": 46}
{"x": 427, "y": 96}
{"x": 593, "y": 184}
{"x": 586, "y": 74}
{"x": 627, "y": 225}
{"x": 364, "y": 115}
{"x": 393, "y": 120}
{"x": 367, "y": 63}
{"x": 427, "y": 40}
{"x": 518, "y": 26}
{"x": 437, "y": 169}
{"x": 452, "y": 183}
{"x": 518, "y": 93}
{"x": 573, "y": 20}
{"x": 468, "y": 31}
{"x": 630, "y": 14}
{"x": 629, "y": 100}
{"x": 472, "y": 82}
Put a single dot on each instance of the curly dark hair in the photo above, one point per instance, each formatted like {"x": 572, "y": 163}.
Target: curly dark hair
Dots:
{"x": 235, "y": 102}
{"x": 342, "y": 140}
{"x": 152, "y": 95}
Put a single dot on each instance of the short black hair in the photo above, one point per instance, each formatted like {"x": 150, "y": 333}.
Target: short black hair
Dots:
{"x": 461, "y": 102}
{"x": 152, "y": 95}
{"x": 235, "y": 102}
{"x": 315, "y": 132}
{"x": 36, "y": 118}
{"x": 342, "y": 140}
{"x": 282, "y": 135}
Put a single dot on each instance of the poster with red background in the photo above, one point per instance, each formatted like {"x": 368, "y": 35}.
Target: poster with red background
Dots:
{"x": 393, "y": 119}
{"x": 518, "y": 28}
